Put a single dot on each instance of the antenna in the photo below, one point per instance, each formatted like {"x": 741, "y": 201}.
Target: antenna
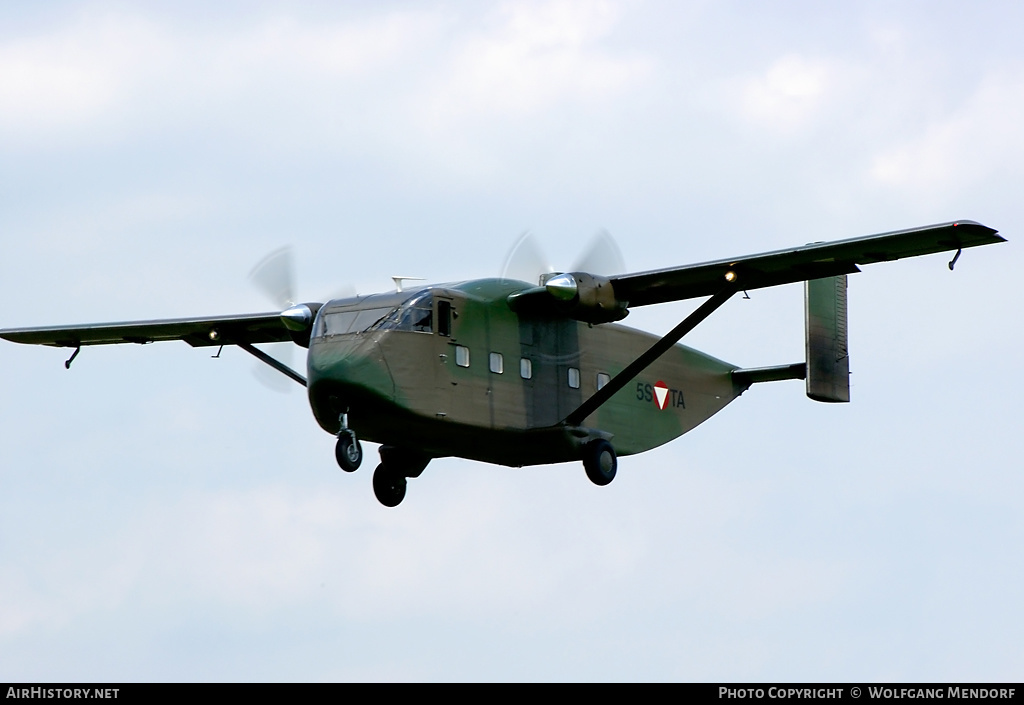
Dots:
{"x": 398, "y": 281}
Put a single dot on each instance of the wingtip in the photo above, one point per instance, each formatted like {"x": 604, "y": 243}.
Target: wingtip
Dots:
{"x": 975, "y": 225}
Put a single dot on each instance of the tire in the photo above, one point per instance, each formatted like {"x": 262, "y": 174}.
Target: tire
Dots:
{"x": 600, "y": 462}
{"x": 389, "y": 487}
{"x": 348, "y": 452}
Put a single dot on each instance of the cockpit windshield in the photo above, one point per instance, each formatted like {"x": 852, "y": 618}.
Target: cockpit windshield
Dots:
{"x": 416, "y": 314}
{"x": 342, "y": 322}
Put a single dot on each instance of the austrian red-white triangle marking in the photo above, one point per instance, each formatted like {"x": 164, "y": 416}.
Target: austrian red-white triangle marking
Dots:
{"x": 661, "y": 395}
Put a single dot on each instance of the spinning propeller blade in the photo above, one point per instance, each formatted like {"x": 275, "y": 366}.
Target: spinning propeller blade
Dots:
{"x": 601, "y": 256}
{"x": 275, "y": 277}
{"x": 525, "y": 261}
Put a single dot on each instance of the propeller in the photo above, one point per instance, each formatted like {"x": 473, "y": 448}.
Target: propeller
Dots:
{"x": 601, "y": 256}
{"x": 583, "y": 292}
{"x": 274, "y": 276}
{"x": 526, "y": 262}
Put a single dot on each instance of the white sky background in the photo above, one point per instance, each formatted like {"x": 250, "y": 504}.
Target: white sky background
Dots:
{"x": 163, "y": 516}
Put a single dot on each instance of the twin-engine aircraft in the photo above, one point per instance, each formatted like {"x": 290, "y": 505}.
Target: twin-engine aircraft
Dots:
{"x": 515, "y": 374}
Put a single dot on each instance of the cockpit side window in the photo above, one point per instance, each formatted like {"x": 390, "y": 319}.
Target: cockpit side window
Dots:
{"x": 334, "y": 323}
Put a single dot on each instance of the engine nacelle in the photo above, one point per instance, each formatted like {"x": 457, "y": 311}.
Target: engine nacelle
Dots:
{"x": 586, "y": 297}
{"x": 299, "y": 322}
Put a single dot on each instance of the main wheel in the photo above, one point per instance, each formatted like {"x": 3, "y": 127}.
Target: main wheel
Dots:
{"x": 600, "y": 462}
{"x": 388, "y": 486}
{"x": 348, "y": 452}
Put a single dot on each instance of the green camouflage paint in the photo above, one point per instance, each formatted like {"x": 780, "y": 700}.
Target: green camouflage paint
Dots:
{"x": 406, "y": 388}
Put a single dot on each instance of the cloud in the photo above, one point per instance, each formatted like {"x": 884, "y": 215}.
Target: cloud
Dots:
{"x": 516, "y": 61}
{"x": 532, "y": 56}
{"x": 978, "y": 141}
{"x": 789, "y": 93}
{"x": 71, "y": 76}
{"x": 265, "y": 547}
{"x": 114, "y": 70}
{"x": 337, "y": 48}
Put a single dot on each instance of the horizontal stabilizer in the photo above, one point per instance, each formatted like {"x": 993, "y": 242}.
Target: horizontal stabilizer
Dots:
{"x": 745, "y": 378}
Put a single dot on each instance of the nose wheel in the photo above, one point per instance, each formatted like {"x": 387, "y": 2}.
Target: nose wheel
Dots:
{"x": 348, "y": 451}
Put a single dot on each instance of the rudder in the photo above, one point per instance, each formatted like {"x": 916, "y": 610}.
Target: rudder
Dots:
{"x": 826, "y": 340}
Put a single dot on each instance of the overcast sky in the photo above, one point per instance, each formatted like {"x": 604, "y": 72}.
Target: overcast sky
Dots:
{"x": 164, "y": 516}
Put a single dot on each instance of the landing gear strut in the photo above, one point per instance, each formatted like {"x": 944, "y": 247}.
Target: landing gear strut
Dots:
{"x": 389, "y": 479}
{"x": 349, "y": 451}
{"x": 600, "y": 462}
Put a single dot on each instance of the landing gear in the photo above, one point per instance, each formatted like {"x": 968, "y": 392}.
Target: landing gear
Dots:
{"x": 348, "y": 451}
{"x": 600, "y": 462}
{"x": 388, "y": 486}
{"x": 389, "y": 479}
{"x": 396, "y": 464}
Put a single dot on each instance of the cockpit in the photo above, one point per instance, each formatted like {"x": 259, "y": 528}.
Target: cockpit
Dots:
{"x": 376, "y": 312}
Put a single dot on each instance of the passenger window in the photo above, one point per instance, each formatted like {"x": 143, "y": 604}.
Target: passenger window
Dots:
{"x": 497, "y": 363}
{"x": 602, "y": 379}
{"x": 526, "y": 368}
{"x": 574, "y": 377}
{"x": 444, "y": 322}
{"x": 461, "y": 356}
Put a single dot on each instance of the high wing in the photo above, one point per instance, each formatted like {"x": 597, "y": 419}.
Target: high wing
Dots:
{"x": 798, "y": 264}
{"x": 197, "y": 332}
{"x": 721, "y": 279}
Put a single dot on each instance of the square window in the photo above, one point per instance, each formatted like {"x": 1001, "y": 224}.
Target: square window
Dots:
{"x": 574, "y": 377}
{"x": 461, "y": 356}
{"x": 497, "y": 363}
{"x": 602, "y": 379}
{"x": 526, "y": 368}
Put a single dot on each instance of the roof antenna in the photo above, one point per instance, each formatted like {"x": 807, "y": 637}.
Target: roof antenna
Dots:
{"x": 398, "y": 281}
{"x": 955, "y": 258}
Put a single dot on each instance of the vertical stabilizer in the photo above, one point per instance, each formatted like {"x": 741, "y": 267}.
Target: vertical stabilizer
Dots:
{"x": 828, "y": 355}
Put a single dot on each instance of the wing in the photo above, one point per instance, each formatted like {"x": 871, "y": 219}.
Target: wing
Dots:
{"x": 197, "y": 332}
{"x": 798, "y": 264}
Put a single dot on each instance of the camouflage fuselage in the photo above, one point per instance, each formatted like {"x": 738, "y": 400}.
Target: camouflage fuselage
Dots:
{"x": 457, "y": 384}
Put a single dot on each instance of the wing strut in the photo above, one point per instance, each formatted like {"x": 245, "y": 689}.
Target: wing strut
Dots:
{"x": 653, "y": 353}
{"x": 276, "y": 364}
